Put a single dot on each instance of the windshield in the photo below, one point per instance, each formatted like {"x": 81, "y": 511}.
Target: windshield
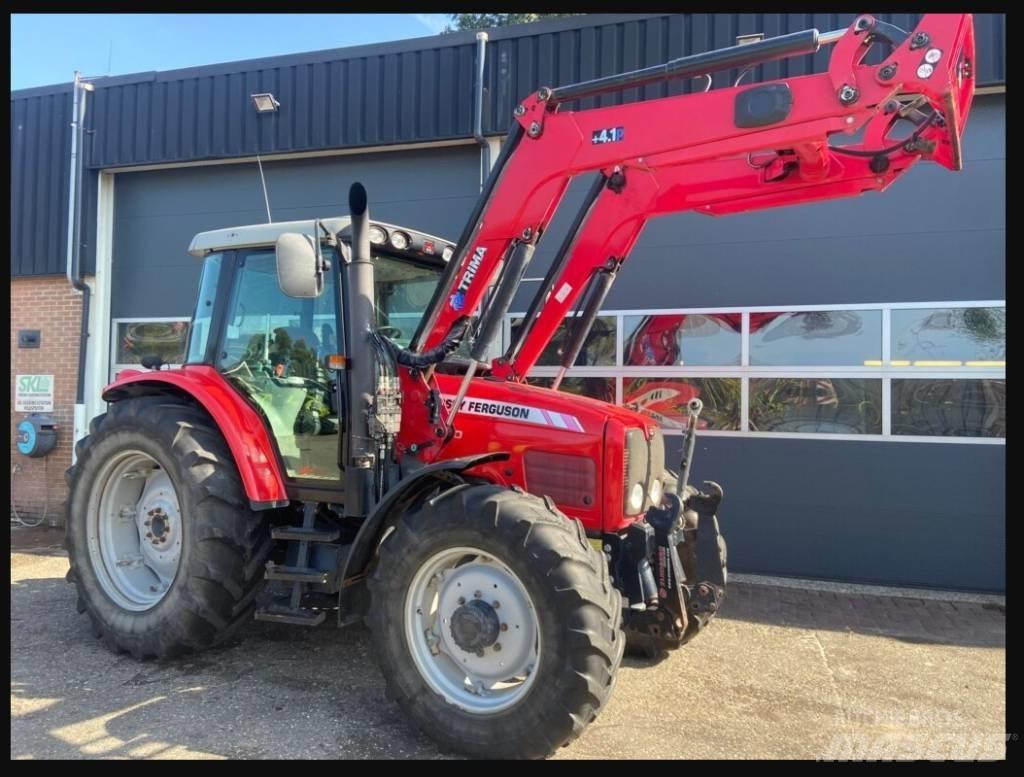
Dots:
{"x": 404, "y": 290}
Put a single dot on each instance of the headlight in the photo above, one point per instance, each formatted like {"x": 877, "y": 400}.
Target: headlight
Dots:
{"x": 400, "y": 240}
{"x": 656, "y": 489}
{"x": 377, "y": 235}
{"x": 447, "y": 253}
{"x": 636, "y": 499}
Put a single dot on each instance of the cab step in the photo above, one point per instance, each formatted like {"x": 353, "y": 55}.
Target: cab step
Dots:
{"x": 302, "y": 534}
{"x": 295, "y": 574}
{"x": 293, "y": 617}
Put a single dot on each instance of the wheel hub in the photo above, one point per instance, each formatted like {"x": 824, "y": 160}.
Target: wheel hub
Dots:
{"x": 475, "y": 626}
{"x": 473, "y": 630}
{"x": 135, "y": 530}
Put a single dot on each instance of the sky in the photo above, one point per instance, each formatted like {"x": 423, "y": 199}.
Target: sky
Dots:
{"x": 48, "y": 48}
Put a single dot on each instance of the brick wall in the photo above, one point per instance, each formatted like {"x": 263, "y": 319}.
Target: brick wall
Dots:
{"x": 50, "y": 305}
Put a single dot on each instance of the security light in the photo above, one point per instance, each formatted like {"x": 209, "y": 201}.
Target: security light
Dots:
{"x": 265, "y": 102}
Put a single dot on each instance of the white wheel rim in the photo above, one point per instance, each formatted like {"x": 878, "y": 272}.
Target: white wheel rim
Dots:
{"x": 134, "y": 530}
{"x": 505, "y": 672}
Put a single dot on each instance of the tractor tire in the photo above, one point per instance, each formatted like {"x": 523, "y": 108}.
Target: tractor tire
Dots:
{"x": 188, "y": 577}
{"x": 536, "y": 567}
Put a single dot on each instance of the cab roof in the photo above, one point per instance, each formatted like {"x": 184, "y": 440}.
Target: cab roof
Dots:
{"x": 267, "y": 234}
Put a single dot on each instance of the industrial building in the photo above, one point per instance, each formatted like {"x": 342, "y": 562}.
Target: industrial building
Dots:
{"x": 850, "y": 354}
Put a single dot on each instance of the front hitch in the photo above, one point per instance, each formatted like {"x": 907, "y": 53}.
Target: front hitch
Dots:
{"x": 671, "y": 566}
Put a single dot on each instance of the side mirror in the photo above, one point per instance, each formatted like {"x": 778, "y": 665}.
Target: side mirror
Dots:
{"x": 299, "y": 266}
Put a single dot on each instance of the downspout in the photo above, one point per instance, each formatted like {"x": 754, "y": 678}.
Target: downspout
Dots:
{"x": 74, "y": 260}
{"x": 478, "y": 109}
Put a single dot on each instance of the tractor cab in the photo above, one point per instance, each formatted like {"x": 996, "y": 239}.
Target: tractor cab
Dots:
{"x": 277, "y": 349}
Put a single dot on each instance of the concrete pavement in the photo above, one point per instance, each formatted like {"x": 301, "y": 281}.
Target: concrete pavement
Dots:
{"x": 782, "y": 673}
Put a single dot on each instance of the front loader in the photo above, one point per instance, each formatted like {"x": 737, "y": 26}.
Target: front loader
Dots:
{"x": 344, "y": 430}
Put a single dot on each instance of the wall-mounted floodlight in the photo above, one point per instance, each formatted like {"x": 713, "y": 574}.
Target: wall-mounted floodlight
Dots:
{"x": 265, "y": 102}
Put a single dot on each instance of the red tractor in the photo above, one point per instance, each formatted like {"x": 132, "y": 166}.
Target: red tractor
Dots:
{"x": 345, "y": 425}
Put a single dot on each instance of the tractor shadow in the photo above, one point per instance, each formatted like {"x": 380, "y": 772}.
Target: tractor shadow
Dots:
{"x": 911, "y": 620}
{"x": 272, "y": 692}
{"x": 914, "y": 621}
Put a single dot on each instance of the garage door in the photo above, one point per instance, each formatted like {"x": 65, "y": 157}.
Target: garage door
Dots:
{"x": 157, "y": 213}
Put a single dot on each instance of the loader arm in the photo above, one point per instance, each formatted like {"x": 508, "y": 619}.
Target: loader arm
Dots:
{"x": 720, "y": 152}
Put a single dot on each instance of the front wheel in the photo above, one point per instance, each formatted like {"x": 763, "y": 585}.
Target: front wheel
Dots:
{"x": 495, "y": 622}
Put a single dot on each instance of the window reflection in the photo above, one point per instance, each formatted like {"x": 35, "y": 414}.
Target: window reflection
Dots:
{"x": 816, "y": 405}
{"x": 598, "y": 349}
{"x": 949, "y": 337}
{"x": 694, "y": 339}
{"x": 139, "y": 339}
{"x": 664, "y": 399}
{"x": 595, "y": 388}
{"x": 949, "y": 408}
{"x": 816, "y": 338}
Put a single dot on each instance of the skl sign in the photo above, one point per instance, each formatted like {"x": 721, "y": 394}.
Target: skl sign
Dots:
{"x": 33, "y": 393}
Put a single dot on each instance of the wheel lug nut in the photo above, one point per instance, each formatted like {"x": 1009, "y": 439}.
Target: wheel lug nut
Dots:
{"x": 477, "y": 594}
{"x": 462, "y": 600}
{"x": 149, "y": 535}
{"x": 504, "y": 627}
{"x": 497, "y": 646}
{"x": 495, "y": 604}
{"x": 480, "y": 653}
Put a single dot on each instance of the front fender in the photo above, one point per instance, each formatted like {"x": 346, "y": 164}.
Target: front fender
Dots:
{"x": 400, "y": 497}
{"x": 239, "y": 423}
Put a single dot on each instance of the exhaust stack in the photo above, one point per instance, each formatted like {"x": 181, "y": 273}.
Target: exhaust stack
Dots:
{"x": 360, "y": 448}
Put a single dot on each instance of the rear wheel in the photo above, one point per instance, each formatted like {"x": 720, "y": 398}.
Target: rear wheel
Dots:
{"x": 495, "y": 623}
{"x": 165, "y": 552}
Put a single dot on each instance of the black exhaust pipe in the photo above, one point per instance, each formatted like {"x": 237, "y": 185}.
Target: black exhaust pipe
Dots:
{"x": 360, "y": 315}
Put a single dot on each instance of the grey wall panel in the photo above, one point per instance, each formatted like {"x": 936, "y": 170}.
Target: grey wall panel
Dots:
{"x": 927, "y": 514}
{"x": 158, "y": 212}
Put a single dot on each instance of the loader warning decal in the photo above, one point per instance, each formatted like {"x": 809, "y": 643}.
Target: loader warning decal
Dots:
{"x": 515, "y": 412}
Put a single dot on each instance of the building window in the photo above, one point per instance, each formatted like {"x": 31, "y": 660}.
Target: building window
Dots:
{"x": 949, "y": 337}
{"x": 135, "y": 339}
{"x": 597, "y": 350}
{"x": 949, "y": 408}
{"x": 665, "y": 400}
{"x": 816, "y": 405}
{"x": 816, "y": 338}
{"x": 682, "y": 340}
{"x": 595, "y": 388}
{"x": 922, "y": 372}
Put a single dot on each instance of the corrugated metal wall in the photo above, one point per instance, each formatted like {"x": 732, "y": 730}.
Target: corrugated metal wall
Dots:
{"x": 517, "y": 66}
{"x": 391, "y": 93}
{"x": 40, "y": 145}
